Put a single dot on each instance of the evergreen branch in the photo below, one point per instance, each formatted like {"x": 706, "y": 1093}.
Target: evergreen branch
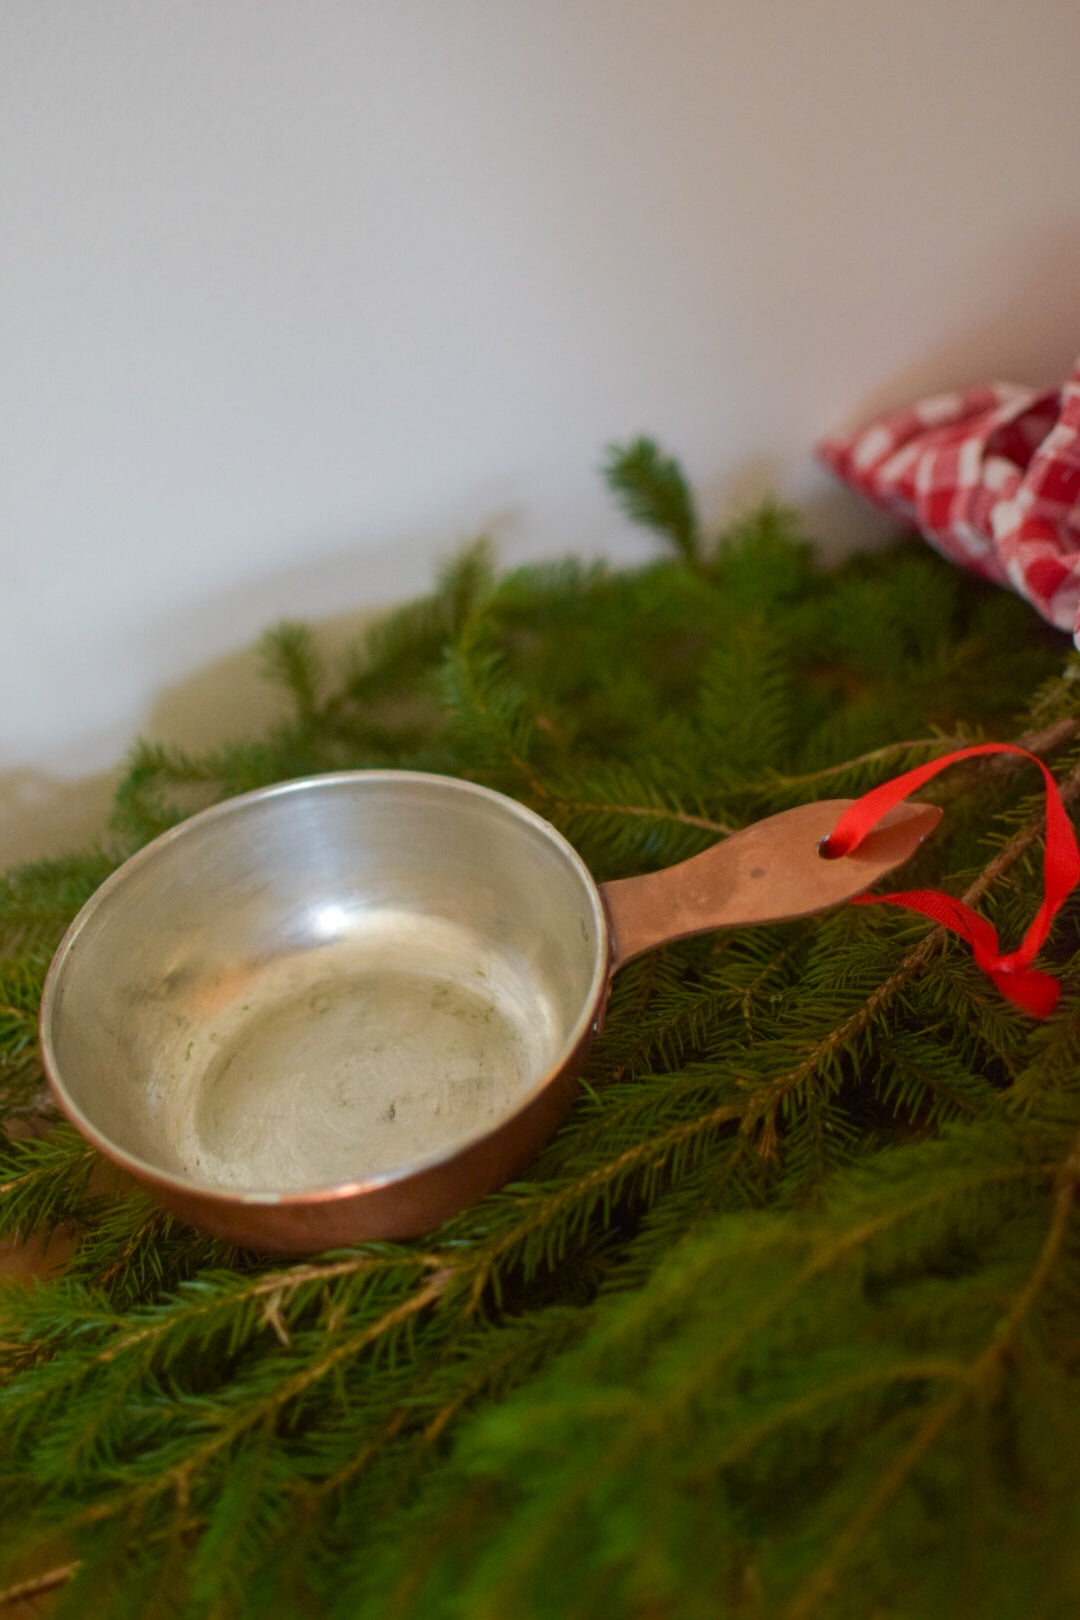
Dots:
{"x": 38, "y": 900}
{"x": 670, "y": 1030}
{"x": 50, "y": 1179}
{"x": 642, "y": 1423}
{"x": 179, "y": 1478}
{"x": 40, "y": 1585}
{"x": 775, "y": 961}
{"x": 261, "y": 1409}
{"x": 289, "y": 657}
{"x": 871, "y": 757}
{"x": 831, "y": 1253}
{"x": 970, "y": 1097}
{"x": 975, "y": 1379}
{"x": 1041, "y": 741}
{"x": 573, "y": 1203}
{"x": 275, "y": 1288}
{"x": 492, "y": 709}
{"x": 333, "y": 1483}
{"x": 400, "y": 651}
{"x": 18, "y": 1025}
{"x": 496, "y": 1356}
{"x": 169, "y": 1332}
{"x": 665, "y": 1325}
{"x": 133, "y": 1251}
{"x": 469, "y": 680}
{"x": 809, "y": 1599}
{"x": 560, "y": 806}
{"x": 652, "y": 490}
{"x": 155, "y": 1223}
{"x": 926, "y": 1369}
{"x": 521, "y": 1344}
{"x": 762, "y": 1106}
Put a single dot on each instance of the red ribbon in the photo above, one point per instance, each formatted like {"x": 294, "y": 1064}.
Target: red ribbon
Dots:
{"x": 1036, "y": 992}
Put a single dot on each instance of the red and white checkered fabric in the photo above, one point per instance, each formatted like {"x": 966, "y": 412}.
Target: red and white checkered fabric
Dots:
{"x": 991, "y": 477}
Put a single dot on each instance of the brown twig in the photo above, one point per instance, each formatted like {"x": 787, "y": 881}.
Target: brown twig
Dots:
{"x": 650, "y": 812}
{"x": 1044, "y": 741}
{"x": 39, "y": 1585}
{"x": 885, "y": 752}
{"x": 1048, "y": 739}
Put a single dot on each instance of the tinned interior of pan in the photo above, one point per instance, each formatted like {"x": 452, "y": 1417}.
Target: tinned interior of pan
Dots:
{"x": 328, "y": 982}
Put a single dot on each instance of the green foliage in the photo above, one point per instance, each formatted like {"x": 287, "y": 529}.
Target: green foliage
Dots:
{"x": 783, "y": 1322}
{"x": 652, "y": 490}
{"x": 289, "y": 657}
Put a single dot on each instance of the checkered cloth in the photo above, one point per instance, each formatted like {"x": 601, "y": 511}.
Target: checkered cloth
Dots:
{"x": 991, "y": 477}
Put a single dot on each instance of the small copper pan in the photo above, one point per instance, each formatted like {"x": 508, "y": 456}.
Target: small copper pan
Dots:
{"x": 345, "y": 1007}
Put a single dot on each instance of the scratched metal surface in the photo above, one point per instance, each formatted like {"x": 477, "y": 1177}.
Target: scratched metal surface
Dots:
{"x": 325, "y": 984}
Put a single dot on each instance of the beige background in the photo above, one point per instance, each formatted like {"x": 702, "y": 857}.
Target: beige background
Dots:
{"x": 43, "y": 815}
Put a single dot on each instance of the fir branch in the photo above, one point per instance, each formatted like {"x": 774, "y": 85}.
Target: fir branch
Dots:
{"x": 485, "y": 1363}
{"x": 564, "y": 809}
{"x": 677, "y": 1292}
{"x": 970, "y": 1383}
{"x": 763, "y": 1106}
{"x": 623, "y": 833}
{"x": 927, "y": 1369}
{"x": 652, "y": 490}
{"x": 539, "y": 1236}
{"x": 37, "y": 900}
{"x": 663, "y": 1329}
{"x": 400, "y": 650}
{"x": 21, "y": 979}
{"x": 251, "y": 1413}
{"x": 1042, "y": 740}
{"x": 489, "y": 713}
{"x": 40, "y": 1585}
{"x": 873, "y": 756}
{"x": 290, "y": 658}
{"x": 46, "y": 1180}
{"x": 916, "y": 751}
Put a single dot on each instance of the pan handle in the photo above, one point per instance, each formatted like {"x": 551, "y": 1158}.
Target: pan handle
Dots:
{"x": 763, "y": 873}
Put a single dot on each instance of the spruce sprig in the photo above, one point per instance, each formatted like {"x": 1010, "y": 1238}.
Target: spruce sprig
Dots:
{"x": 652, "y": 490}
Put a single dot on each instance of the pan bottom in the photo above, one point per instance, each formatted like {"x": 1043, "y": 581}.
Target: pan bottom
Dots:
{"x": 351, "y": 1075}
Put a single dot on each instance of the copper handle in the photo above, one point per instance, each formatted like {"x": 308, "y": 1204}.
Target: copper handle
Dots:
{"x": 764, "y": 873}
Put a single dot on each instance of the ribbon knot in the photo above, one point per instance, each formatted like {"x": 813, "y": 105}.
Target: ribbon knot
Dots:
{"x": 1012, "y": 972}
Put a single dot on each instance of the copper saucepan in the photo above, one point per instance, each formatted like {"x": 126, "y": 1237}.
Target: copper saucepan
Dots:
{"x": 345, "y": 1007}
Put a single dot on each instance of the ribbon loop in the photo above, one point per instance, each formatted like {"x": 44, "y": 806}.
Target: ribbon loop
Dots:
{"x": 1025, "y": 986}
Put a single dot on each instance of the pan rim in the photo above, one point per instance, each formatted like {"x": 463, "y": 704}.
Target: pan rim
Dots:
{"x": 329, "y": 1192}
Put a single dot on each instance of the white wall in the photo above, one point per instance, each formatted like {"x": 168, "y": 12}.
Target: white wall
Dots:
{"x": 297, "y": 294}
